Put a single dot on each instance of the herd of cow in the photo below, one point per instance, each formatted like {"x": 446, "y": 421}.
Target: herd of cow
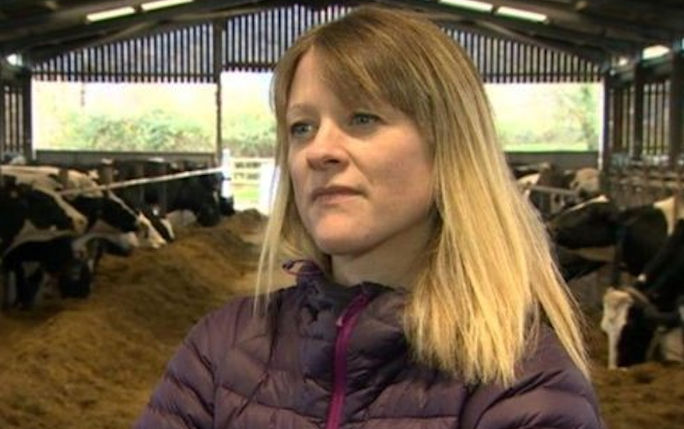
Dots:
{"x": 53, "y": 234}
{"x": 56, "y": 223}
{"x": 645, "y": 319}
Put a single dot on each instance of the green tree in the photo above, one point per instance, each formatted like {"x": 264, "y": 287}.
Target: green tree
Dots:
{"x": 577, "y": 115}
{"x": 250, "y": 134}
{"x": 155, "y": 130}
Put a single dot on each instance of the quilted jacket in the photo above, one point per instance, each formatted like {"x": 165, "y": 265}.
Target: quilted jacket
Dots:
{"x": 333, "y": 357}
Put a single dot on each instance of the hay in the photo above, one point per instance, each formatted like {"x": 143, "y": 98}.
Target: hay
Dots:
{"x": 93, "y": 363}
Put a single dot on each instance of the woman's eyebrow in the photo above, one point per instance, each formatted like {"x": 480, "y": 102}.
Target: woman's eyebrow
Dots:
{"x": 297, "y": 108}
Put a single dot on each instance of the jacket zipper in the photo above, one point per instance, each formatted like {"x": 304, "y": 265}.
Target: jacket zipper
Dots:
{"x": 345, "y": 325}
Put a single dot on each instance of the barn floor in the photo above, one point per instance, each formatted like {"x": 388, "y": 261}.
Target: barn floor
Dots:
{"x": 92, "y": 364}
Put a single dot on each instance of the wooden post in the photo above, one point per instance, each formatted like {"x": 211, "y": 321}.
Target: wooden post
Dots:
{"x": 27, "y": 144}
{"x": 139, "y": 172}
{"x": 2, "y": 121}
{"x": 157, "y": 168}
{"x": 676, "y": 110}
{"x": 606, "y": 144}
{"x": 638, "y": 111}
{"x": 218, "y": 67}
{"x": 106, "y": 172}
{"x": 64, "y": 177}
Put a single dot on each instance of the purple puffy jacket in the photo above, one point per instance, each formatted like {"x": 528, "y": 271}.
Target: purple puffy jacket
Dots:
{"x": 331, "y": 357}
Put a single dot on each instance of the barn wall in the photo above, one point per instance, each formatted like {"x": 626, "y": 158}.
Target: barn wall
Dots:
{"x": 644, "y": 113}
{"x": 562, "y": 160}
{"x": 66, "y": 157}
{"x": 255, "y": 41}
{"x": 15, "y": 115}
{"x": 181, "y": 55}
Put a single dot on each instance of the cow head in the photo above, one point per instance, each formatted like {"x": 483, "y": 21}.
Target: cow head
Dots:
{"x": 631, "y": 322}
{"x": 589, "y": 224}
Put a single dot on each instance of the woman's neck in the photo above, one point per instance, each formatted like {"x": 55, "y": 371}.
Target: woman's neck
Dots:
{"x": 396, "y": 262}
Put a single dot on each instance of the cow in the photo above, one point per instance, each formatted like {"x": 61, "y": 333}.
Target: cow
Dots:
{"x": 26, "y": 209}
{"x": 102, "y": 217}
{"x": 104, "y": 210}
{"x": 583, "y": 184}
{"x": 598, "y": 230}
{"x": 31, "y": 217}
{"x": 572, "y": 265}
{"x": 29, "y": 264}
{"x": 198, "y": 194}
{"x": 645, "y": 319}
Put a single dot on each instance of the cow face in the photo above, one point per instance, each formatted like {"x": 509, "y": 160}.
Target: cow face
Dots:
{"x": 631, "y": 324}
{"x": 590, "y": 224}
{"x": 633, "y": 345}
{"x": 616, "y": 304}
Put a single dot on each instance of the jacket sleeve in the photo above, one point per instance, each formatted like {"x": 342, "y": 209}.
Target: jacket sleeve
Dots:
{"x": 183, "y": 398}
{"x": 551, "y": 393}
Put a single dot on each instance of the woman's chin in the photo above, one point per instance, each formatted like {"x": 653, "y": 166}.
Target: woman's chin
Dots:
{"x": 338, "y": 244}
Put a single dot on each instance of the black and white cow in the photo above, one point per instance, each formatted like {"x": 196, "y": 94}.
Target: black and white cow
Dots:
{"x": 645, "y": 320}
{"x": 25, "y": 209}
{"x": 106, "y": 213}
{"x": 583, "y": 184}
{"x": 599, "y": 231}
{"x": 60, "y": 258}
{"x": 572, "y": 265}
{"x": 31, "y": 217}
{"x": 199, "y": 195}
{"x": 102, "y": 220}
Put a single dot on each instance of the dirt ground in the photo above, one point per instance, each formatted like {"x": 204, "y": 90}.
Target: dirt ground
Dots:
{"x": 93, "y": 363}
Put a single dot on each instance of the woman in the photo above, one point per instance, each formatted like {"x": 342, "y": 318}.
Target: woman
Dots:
{"x": 423, "y": 276}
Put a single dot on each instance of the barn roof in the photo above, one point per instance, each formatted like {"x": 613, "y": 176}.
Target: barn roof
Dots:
{"x": 592, "y": 29}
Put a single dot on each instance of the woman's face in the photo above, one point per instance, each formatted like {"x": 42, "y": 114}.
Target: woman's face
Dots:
{"x": 361, "y": 173}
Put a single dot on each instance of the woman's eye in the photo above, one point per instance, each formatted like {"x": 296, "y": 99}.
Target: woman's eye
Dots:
{"x": 300, "y": 129}
{"x": 364, "y": 119}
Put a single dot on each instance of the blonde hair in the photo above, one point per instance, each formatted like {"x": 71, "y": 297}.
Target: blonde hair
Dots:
{"x": 475, "y": 308}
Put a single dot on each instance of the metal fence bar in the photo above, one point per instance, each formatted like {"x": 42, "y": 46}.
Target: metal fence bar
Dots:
{"x": 137, "y": 182}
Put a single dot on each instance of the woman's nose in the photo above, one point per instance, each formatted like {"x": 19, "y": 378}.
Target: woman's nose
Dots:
{"x": 327, "y": 149}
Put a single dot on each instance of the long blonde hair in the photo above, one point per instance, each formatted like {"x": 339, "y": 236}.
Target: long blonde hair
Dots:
{"x": 475, "y": 308}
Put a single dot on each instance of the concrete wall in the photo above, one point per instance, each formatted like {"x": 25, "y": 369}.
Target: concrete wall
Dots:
{"x": 562, "y": 160}
{"x": 73, "y": 158}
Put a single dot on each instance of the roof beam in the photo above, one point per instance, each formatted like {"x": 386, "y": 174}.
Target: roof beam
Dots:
{"x": 666, "y": 16}
{"x": 600, "y": 26}
{"x": 529, "y": 29}
{"x": 563, "y": 14}
{"x": 42, "y": 37}
{"x": 58, "y": 18}
{"x": 588, "y": 53}
{"x": 146, "y": 28}
{"x": 40, "y": 55}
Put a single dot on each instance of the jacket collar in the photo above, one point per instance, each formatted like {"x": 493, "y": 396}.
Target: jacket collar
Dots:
{"x": 377, "y": 348}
